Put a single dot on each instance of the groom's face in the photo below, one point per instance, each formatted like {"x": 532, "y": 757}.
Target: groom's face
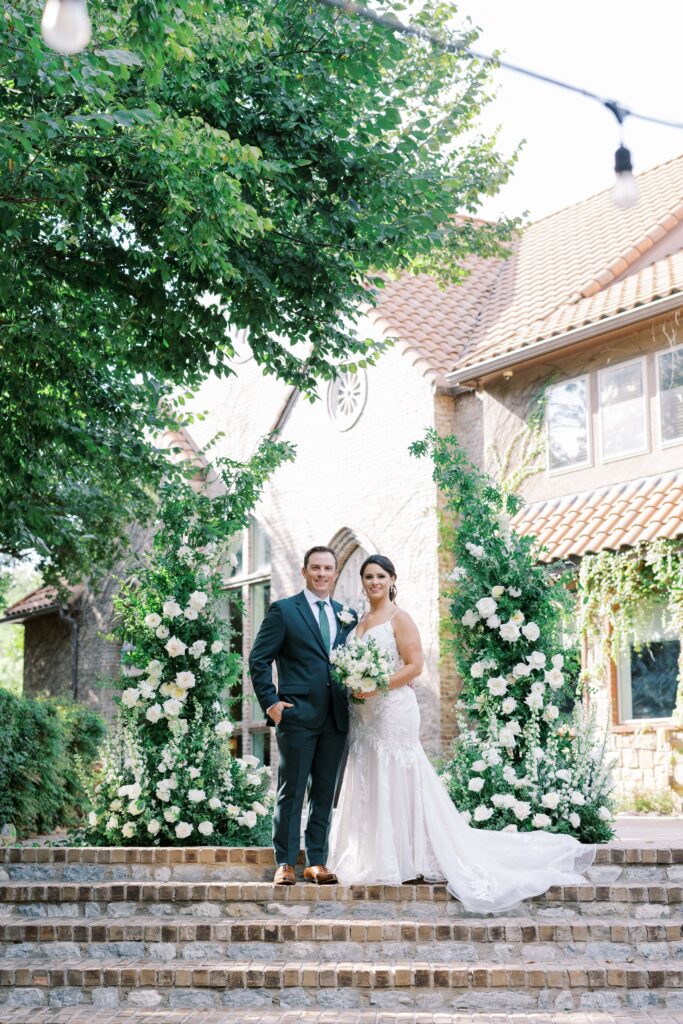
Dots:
{"x": 320, "y": 573}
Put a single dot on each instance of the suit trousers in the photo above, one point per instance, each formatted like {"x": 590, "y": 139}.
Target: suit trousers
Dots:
{"x": 310, "y": 758}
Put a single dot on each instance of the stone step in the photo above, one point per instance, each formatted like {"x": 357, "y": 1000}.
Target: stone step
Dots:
{"x": 240, "y": 899}
{"x": 352, "y": 985}
{"x": 494, "y": 939}
{"x": 614, "y": 862}
{"x": 275, "y": 1015}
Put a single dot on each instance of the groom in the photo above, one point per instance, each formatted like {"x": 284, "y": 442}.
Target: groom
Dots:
{"x": 308, "y": 710}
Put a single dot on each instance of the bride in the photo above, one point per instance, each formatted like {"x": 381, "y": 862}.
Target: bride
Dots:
{"x": 395, "y": 822}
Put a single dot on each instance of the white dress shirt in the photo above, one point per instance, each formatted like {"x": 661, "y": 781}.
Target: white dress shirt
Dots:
{"x": 331, "y": 617}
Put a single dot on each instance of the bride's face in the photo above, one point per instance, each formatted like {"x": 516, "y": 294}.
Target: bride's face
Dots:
{"x": 376, "y": 582}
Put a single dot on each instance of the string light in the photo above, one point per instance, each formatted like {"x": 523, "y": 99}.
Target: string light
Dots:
{"x": 66, "y": 26}
{"x": 625, "y": 191}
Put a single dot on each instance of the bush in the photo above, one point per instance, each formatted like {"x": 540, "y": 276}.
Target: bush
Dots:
{"x": 42, "y": 742}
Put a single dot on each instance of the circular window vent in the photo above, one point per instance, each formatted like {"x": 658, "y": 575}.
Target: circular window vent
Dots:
{"x": 346, "y": 398}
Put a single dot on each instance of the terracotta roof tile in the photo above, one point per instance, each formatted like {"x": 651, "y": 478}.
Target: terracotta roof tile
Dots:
{"x": 611, "y": 517}
{"x": 39, "y": 601}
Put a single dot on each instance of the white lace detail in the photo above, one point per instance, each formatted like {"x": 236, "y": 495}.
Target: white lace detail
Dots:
{"x": 395, "y": 820}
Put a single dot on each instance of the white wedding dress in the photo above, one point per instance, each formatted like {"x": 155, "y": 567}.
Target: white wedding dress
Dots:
{"x": 396, "y": 822}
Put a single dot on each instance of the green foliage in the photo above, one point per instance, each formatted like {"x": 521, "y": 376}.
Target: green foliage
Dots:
{"x": 524, "y": 758}
{"x": 273, "y": 156}
{"x": 648, "y": 802}
{"x": 167, "y": 775}
{"x": 16, "y": 580}
{"x": 41, "y": 742}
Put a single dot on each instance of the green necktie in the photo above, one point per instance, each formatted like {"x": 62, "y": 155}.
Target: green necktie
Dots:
{"x": 324, "y": 624}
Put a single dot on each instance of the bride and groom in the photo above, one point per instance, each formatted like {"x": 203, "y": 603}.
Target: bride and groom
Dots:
{"x": 394, "y": 821}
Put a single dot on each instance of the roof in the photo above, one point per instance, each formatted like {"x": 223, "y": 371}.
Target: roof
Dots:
{"x": 570, "y": 269}
{"x": 613, "y": 517}
{"x": 39, "y": 602}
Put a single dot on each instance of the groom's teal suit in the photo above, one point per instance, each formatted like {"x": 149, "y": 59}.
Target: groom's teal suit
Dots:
{"x": 312, "y": 734}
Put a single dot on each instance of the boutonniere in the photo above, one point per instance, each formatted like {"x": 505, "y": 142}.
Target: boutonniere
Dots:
{"x": 346, "y": 616}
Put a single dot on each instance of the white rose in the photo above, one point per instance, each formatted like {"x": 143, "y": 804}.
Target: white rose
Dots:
{"x": 534, "y": 701}
{"x": 476, "y": 550}
{"x": 171, "y": 609}
{"x": 564, "y": 775}
{"x": 136, "y": 807}
{"x": 224, "y": 728}
{"x": 486, "y": 606}
{"x": 171, "y": 814}
{"x": 253, "y": 779}
{"x": 509, "y": 774}
{"x": 183, "y": 829}
{"x": 521, "y": 809}
{"x": 458, "y": 573}
{"x": 198, "y": 600}
{"x": 466, "y": 816}
{"x": 248, "y": 819}
{"x": 541, "y": 821}
{"x": 514, "y": 592}
{"x": 475, "y": 785}
{"x": 517, "y": 617}
{"x": 92, "y": 819}
{"x": 493, "y": 757}
{"x": 483, "y": 813}
{"x": 130, "y": 696}
{"x": 536, "y": 659}
{"x": 115, "y": 805}
{"x": 112, "y": 823}
{"x": 479, "y": 766}
{"x": 551, "y": 713}
{"x": 531, "y": 631}
{"x": 196, "y": 796}
{"x": 205, "y": 827}
{"x": 514, "y": 727}
{"x": 197, "y": 648}
{"x": 554, "y": 678}
{"x": 153, "y": 826}
{"x": 574, "y": 820}
{"x": 604, "y": 814}
{"x": 162, "y": 632}
{"x": 128, "y": 830}
{"x": 258, "y": 807}
{"x": 509, "y": 631}
{"x": 497, "y": 686}
{"x": 493, "y": 622}
{"x": 184, "y": 553}
{"x": 577, "y": 798}
{"x": 550, "y": 800}
{"x": 506, "y": 738}
{"x": 497, "y": 592}
{"x": 190, "y": 614}
{"x": 214, "y": 803}
{"x": 557, "y": 660}
{"x": 508, "y": 705}
{"x": 510, "y": 828}
{"x": 185, "y": 680}
{"x": 477, "y": 670}
{"x": 172, "y": 707}
{"x": 470, "y": 618}
{"x": 193, "y": 772}
{"x": 152, "y": 620}
{"x": 175, "y": 647}
{"x": 216, "y": 647}
{"x": 153, "y": 714}
{"x": 154, "y": 668}
{"x": 521, "y": 669}
{"x": 180, "y": 726}
{"x": 250, "y": 760}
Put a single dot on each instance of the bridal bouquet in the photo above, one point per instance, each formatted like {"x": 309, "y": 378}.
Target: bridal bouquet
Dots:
{"x": 360, "y": 667}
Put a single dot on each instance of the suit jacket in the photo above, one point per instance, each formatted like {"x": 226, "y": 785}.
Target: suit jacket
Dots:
{"x": 291, "y": 637}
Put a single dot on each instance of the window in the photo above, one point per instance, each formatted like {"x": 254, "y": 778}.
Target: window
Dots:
{"x": 670, "y": 376}
{"x": 567, "y": 423}
{"x": 346, "y": 398}
{"x": 648, "y": 669}
{"x": 622, "y": 409}
{"x": 247, "y": 582}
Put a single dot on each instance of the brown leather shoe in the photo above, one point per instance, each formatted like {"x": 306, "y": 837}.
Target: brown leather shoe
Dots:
{"x": 320, "y": 874}
{"x": 285, "y": 875}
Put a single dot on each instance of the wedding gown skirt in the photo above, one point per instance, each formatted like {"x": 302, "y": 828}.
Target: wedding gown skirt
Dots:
{"x": 395, "y": 820}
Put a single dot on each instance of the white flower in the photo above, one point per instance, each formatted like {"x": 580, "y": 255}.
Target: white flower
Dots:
{"x": 153, "y": 826}
{"x": 258, "y": 807}
{"x": 506, "y": 737}
{"x": 248, "y": 819}
{"x": 531, "y": 631}
{"x": 250, "y": 761}
{"x": 539, "y": 753}
{"x": 521, "y": 669}
{"x": 92, "y": 819}
{"x": 205, "y": 827}
{"x": 493, "y": 757}
{"x": 564, "y": 774}
{"x": 458, "y": 573}
{"x": 466, "y": 816}
{"x": 171, "y": 609}
{"x": 216, "y": 647}
{"x": 194, "y": 772}
{"x": 541, "y": 820}
{"x": 486, "y": 606}
{"x": 521, "y": 810}
{"x": 514, "y": 592}
{"x": 185, "y": 680}
{"x": 509, "y": 631}
{"x": 497, "y": 686}
{"x": 196, "y": 796}
{"x": 153, "y": 714}
{"x": 479, "y": 766}
{"x": 551, "y": 713}
{"x": 510, "y": 828}
{"x": 497, "y": 592}
{"x": 233, "y": 810}
{"x": 574, "y": 820}
{"x": 517, "y": 617}
{"x": 536, "y": 659}
{"x": 130, "y": 696}
{"x": 128, "y": 830}
{"x": 184, "y": 553}
{"x": 175, "y": 647}
{"x": 171, "y": 814}
{"x": 550, "y": 800}
{"x": 483, "y": 813}
{"x": 577, "y": 798}
{"x": 470, "y": 618}
{"x": 132, "y": 791}
{"x": 604, "y": 814}
{"x": 345, "y": 616}
{"x": 214, "y": 803}
{"x": 136, "y": 807}
{"x": 162, "y": 632}
{"x": 180, "y": 726}
{"x": 534, "y": 701}
{"x": 198, "y": 600}
{"x": 224, "y": 728}
{"x": 190, "y": 614}
{"x": 509, "y": 774}
{"x": 508, "y": 705}
{"x": 477, "y": 670}
{"x": 476, "y": 550}
{"x": 154, "y": 668}
{"x": 183, "y": 829}
{"x": 112, "y": 823}
{"x": 253, "y": 779}
{"x": 475, "y": 785}
{"x": 514, "y": 727}
{"x": 152, "y": 620}
{"x": 197, "y": 648}
{"x": 146, "y": 690}
{"x": 493, "y": 622}
{"x": 172, "y": 707}
{"x": 115, "y": 805}
{"x": 557, "y": 660}
{"x": 554, "y": 678}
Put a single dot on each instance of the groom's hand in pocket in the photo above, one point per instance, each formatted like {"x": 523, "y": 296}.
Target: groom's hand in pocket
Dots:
{"x": 275, "y": 711}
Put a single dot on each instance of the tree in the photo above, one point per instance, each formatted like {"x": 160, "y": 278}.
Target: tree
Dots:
{"x": 276, "y": 156}
{"x": 528, "y": 755}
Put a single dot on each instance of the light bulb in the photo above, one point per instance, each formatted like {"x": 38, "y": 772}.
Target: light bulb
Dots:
{"x": 625, "y": 191}
{"x": 66, "y": 26}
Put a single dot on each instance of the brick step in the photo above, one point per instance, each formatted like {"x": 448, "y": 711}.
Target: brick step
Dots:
{"x": 236, "y": 899}
{"x": 458, "y": 985}
{"x": 494, "y": 939}
{"x": 614, "y": 862}
{"x": 276, "y": 1015}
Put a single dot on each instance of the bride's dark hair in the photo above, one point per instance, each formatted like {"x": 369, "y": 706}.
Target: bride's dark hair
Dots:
{"x": 384, "y": 563}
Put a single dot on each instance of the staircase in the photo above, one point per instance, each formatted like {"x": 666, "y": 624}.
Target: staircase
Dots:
{"x": 201, "y": 935}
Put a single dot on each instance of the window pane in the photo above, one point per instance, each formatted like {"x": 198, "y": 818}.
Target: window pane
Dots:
{"x": 260, "y": 747}
{"x": 235, "y": 563}
{"x": 671, "y": 394}
{"x": 260, "y": 602}
{"x": 654, "y": 675}
{"x": 260, "y": 547}
{"x": 622, "y": 409}
{"x": 567, "y": 417}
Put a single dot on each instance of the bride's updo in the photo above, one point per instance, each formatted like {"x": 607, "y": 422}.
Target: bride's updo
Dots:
{"x": 384, "y": 563}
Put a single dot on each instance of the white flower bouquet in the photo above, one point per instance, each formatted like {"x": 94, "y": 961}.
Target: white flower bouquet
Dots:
{"x": 361, "y": 668}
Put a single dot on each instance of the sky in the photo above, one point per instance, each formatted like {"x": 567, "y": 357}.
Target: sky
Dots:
{"x": 626, "y": 51}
